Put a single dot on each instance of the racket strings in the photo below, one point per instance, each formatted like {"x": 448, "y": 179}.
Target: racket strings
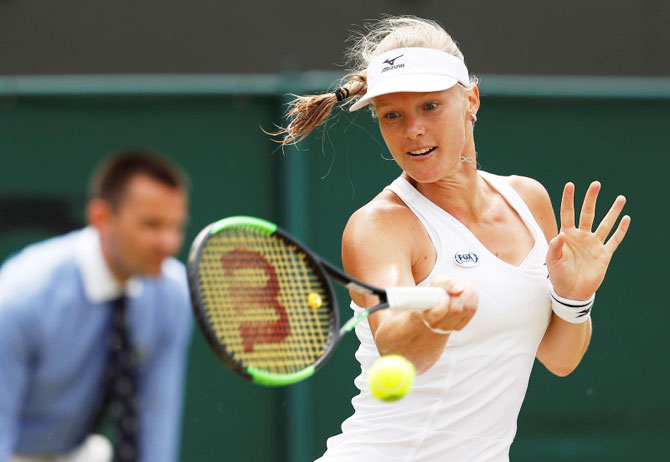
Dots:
{"x": 256, "y": 289}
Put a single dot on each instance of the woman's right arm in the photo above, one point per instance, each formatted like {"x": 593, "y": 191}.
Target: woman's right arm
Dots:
{"x": 381, "y": 245}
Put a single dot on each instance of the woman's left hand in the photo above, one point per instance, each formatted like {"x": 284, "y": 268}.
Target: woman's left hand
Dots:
{"x": 578, "y": 257}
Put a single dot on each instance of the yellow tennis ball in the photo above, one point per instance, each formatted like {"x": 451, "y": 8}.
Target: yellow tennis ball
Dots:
{"x": 314, "y": 300}
{"x": 391, "y": 377}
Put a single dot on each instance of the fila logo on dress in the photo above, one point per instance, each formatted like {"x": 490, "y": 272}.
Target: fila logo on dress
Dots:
{"x": 466, "y": 258}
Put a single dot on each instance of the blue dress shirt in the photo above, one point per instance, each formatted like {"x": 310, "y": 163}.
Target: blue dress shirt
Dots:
{"x": 54, "y": 315}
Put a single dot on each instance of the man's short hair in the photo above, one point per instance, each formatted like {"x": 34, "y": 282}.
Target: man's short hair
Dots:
{"x": 110, "y": 179}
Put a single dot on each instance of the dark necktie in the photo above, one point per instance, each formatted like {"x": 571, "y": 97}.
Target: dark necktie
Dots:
{"x": 122, "y": 386}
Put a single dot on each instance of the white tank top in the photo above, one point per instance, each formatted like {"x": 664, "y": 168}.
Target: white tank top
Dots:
{"x": 466, "y": 406}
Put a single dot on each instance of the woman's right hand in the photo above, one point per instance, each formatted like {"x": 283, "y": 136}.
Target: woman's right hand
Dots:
{"x": 456, "y": 311}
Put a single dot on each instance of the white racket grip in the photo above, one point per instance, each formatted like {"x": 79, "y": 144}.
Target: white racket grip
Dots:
{"x": 414, "y": 298}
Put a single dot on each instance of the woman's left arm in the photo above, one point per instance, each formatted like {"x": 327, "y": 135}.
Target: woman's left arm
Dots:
{"x": 577, "y": 261}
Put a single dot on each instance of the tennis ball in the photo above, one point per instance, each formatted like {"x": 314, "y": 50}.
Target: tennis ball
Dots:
{"x": 314, "y": 300}
{"x": 391, "y": 377}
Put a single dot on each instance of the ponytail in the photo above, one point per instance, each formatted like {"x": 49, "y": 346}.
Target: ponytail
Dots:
{"x": 309, "y": 111}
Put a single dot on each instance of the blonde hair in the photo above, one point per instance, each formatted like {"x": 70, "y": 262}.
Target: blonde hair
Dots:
{"x": 309, "y": 111}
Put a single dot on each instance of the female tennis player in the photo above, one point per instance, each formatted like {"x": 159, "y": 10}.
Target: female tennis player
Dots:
{"x": 519, "y": 288}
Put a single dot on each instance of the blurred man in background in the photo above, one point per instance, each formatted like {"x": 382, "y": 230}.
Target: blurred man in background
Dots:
{"x": 97, "y": 323}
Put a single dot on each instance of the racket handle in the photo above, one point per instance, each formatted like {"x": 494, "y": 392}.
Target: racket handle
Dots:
{"x": 414, "y": 298}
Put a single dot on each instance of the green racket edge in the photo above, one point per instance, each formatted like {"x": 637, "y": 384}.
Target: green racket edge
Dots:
{"x": 273, "y": 379}
{"x": 263, "y": 226}
{"x": 266, "y": 378}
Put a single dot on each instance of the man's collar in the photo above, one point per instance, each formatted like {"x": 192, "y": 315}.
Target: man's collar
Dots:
{"x": 100, "y": 285}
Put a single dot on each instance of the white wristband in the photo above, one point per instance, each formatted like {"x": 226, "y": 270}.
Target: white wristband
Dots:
{"x": 573, "y": 311}
{"x": 435, "y": 329}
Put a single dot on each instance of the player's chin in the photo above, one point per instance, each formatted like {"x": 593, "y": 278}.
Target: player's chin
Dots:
{"x": 424, "y": 175}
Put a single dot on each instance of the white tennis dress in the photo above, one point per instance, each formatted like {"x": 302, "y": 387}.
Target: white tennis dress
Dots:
{"x": 466, "y": 406}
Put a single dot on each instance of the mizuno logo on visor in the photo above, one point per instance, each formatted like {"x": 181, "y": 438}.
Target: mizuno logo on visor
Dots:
{"x": 391, "y": 64}
{"x": 391, "y": 61}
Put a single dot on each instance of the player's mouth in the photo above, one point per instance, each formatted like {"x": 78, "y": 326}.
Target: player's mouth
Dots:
{"x": 424, "y": 152}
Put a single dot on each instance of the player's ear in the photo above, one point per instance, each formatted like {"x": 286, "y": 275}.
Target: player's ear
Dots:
{"x": 99, "y": 213}
{"x": 472, "y": 95}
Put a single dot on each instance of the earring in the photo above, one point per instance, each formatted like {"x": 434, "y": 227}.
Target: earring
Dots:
{"x": 473, "y": 118}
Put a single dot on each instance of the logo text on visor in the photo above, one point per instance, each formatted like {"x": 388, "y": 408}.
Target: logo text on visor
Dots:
{"x": 392, "y": 65}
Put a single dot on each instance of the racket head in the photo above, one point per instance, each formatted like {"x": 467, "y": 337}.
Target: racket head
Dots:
{"x": 254, "y": 291}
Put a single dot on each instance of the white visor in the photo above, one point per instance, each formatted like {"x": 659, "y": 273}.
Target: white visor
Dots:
{"x": 412, "y": 69}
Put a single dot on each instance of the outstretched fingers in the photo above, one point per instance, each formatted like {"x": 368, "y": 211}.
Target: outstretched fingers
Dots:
{"x": 618, "y": 235}
{"x": 588, "y": 212}
{"x": 568, "y": 206}
{"x": 608, "y": 222}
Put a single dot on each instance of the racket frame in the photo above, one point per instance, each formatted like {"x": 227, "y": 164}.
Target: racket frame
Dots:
{"x": 323, "y": 270}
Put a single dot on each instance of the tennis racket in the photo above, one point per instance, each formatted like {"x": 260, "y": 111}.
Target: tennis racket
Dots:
{"x": 266, "y": 305}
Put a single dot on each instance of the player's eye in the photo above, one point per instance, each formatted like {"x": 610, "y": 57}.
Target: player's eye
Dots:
{"x": 391, "y": 115}
{"x": 430, "y": 106}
